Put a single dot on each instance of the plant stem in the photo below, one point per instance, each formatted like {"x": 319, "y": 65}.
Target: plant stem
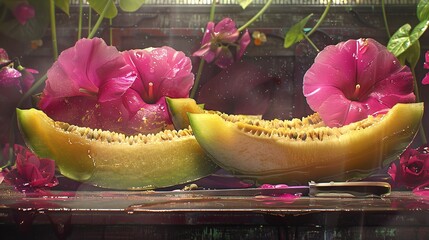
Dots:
{"x": 212, "y": 11}
{"x": 32, "y": 89}
{"x": 322, "y": 18}
{"x": 110, "y": 32}
{"x": 89, "y": 19}
{"x": 79, "y": 29}
{"x": 386, "y": 24}
{"x": 197, "y": 78}
{"x": 201, "y": 65}
{"x": 53, "y": 28}
{"x": 100, "y": 19}
{"x": 266, "y": 6}
{"x": 311, "y": 43}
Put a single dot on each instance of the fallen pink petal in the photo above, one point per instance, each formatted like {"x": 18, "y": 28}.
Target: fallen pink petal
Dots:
{"x": 354, "y": 79}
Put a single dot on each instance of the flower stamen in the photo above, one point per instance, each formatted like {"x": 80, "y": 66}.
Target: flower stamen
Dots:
{"x": 150, "y": 92}
{"x": 356, "y": 92}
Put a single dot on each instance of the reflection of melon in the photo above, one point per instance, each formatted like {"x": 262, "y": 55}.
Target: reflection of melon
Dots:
{"x": 113, "y": 160}
{"x": 276, "y": 155}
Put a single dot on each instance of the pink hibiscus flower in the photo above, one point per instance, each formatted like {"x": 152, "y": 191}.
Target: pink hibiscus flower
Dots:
{"x": 354, "y": 79}
{"x": 219, "y": 39}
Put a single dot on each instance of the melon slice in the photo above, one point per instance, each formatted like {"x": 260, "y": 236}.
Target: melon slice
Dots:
{"x": 178, "y": 109}
{"x": 312, "y": 153}
{"x": 113, "y": 160}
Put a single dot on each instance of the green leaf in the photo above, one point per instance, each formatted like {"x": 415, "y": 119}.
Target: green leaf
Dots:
{"x": 418, "y": 31}
{"x": 244, "y": 3}
{"x": 411, "y": 55}
{"x": 98, "y": 6}
{"x": 64, "y": 5}
{"x": 423, "y": 10}
{"x": 400, "y": 40}
{"x": 130, "y": 5}
{"x": 296, "y": 33}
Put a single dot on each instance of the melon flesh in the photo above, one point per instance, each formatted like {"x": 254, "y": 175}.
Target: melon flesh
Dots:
{"x": 113, "y": 164}
{"x": 266, "y": 156}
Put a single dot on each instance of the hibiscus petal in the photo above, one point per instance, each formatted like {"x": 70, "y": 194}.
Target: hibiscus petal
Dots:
{"x": 85, "y": 69}
{"x": 208, "y": 33}
{"x": 3, "y": 56}
{"x": 47, "y": 168}
{"x": 9, "y": 77}
{"x": 375, "y": 63}
{"x": 243, "y": 43}
{"x": 224, "y": 58}
{"x": 88, "y": 112}
{"x": 425, "y": 80}
{"x": 168, "y": 70}
{"x": 205, "y": 53}
{"x": 132, "y": 101}
{"x": 151, "y": 118}
{"x": 227, "y": 30}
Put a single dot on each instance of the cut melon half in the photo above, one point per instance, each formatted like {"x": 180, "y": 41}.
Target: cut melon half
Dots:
{"x": 312, "y": 153}
{"x": 113, "y": 160}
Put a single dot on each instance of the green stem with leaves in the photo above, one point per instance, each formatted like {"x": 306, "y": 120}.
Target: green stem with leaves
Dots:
{"x": 53, "y": 28}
